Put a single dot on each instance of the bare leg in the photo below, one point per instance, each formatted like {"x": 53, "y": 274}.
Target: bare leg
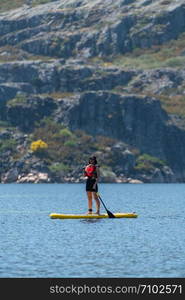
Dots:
{"x": 89, "y": 196}
{"x": 97, "y": 203}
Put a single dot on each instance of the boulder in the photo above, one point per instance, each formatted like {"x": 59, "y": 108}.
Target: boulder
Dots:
{"x": 107, "y": 175}
{"x": 5, "y": 134}
{"x": 29, "y": 110}
{"x": 10, "y": 177}
{"x": 130, "y": 180}
{"x": 34, "y": 178}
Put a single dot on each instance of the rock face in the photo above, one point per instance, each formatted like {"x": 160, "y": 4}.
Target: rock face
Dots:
{"x": 131, "y": 119}
{"x": 52, "y": 64}
{"x": 29, "y": 111}
{"x": 34, "y": 178}
{"x": 61, "y": 28}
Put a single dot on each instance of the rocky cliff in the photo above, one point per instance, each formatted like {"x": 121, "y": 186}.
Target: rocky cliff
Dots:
{"x": 68, "y": 60}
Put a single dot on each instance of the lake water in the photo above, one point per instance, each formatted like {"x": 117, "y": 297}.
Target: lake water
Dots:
{"x": 33, "y": 245}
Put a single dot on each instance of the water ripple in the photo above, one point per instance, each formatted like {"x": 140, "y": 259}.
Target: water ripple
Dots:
{"x": 33, "y": 245}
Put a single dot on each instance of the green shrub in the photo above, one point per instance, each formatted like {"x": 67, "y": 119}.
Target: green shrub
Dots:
{"x": 9, "y": 144}
{"x": 20, "y": 99}
{"x": 65, "y": 132}
{"x": 174, "y": 62}
{"x": 47, "y": 129}
{"x": 59, "y": 167}
{"x": 70, "y": 143}
{"x": 146, "y": 162}
{"x": 9, "y": 4}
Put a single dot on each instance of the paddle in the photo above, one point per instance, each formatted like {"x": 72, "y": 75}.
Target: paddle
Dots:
{"x": 108, "y": 212}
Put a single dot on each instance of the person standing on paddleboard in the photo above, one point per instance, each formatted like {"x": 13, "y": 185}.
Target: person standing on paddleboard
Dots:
{"x": 91, "y": 172}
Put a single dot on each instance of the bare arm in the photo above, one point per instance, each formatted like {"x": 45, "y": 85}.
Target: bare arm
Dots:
{"x": 98, "y": 173}
{"x": 84, "y": 173}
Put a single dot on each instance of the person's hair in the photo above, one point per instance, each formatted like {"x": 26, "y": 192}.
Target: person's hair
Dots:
{"x": 93, "y": 158}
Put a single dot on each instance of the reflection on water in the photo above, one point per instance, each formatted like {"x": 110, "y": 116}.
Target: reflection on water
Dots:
{"x": 89, "y": 221}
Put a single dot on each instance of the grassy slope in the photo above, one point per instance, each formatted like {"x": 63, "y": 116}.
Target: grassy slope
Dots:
{"x": 12, "y": 4}
{"x": 169, "y": 55}
{"x": 9, "y": 4}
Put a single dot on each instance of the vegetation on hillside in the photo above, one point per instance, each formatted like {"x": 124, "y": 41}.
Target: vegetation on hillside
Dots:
{"x": 146, "y": 163}
{"x": 62, "y": 152}
{"x": 9, "y": 4}
{"x": 67, "y": 150}
{"x": 170, "y": 54}
{"x": 13, "y": 4}
{"x": 172, "y": 104}
{"x": 67, "y": 147}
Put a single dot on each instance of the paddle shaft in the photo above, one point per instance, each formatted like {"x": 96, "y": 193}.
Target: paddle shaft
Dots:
{"x": 108, "y": 212}
{"x": 102, "y": 201}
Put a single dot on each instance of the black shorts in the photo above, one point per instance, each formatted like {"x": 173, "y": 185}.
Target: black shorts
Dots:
{"x": 89, "y": 185}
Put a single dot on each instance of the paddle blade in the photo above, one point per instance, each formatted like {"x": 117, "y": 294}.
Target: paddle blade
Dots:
{"x": 110, "y": 214}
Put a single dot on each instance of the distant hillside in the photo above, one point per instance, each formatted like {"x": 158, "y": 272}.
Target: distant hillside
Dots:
{"x": 112, "y": 70}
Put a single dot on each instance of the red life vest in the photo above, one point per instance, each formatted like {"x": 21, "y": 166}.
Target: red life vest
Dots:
{"x": 90, "y": 171}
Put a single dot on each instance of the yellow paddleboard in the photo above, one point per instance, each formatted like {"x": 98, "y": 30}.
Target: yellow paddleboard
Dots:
{"x": 93, "y": 216}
